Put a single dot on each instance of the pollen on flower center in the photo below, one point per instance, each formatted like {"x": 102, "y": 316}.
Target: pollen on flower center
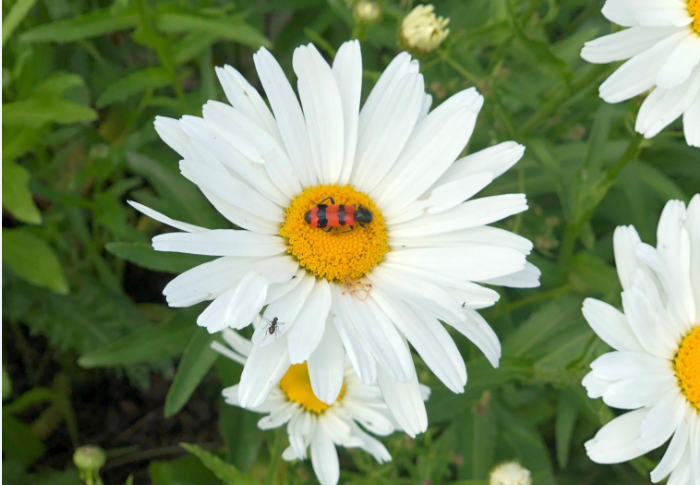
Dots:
{"x": 687, "y": 365}
{"x": 694, "y": 10}
{"x": 296, "y": 385}
{"x": 340, "y": 255}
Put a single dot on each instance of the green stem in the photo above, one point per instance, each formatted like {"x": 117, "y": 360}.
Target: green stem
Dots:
{"x": 275, "y": 455}
{"x": 445, "y": 56}
{"x": 162, "y": 51}
{"x": 583, "y": 213}
{"x": 542, "y": 296}
{"x": 553, "y": 106}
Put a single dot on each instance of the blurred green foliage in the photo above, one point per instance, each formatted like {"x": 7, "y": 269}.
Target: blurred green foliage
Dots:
{"x": 82, "y": 81}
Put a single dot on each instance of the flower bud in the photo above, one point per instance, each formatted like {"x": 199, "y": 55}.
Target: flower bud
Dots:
{"x": 366, "y": 12}
{"x": 510, "y": 473}
{"x": 422, "y": 31}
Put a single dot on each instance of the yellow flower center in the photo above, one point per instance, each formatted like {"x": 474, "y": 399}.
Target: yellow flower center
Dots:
{"x": 341, "y": 255}
{"x": 687, "y": 366}
{"x": 296, "y": 385}
{"x": 694, "y": 10}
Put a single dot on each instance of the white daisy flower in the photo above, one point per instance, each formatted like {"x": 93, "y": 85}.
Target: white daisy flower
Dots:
{"x": 312, "y": 423}
{"x": 662, "y": 44}
{"x": 655, "y": 368}
{"x": 418, "y": 262}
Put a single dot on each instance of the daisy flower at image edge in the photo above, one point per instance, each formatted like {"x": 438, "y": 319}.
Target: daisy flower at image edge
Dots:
{"x": 662, "y": 44}
{"x": 369, "y": 291}
{"x": 312, "y": 423}
{"x": 655, "y": 368}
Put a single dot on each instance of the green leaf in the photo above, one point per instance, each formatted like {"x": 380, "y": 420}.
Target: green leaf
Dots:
{"x": 26, "y": 446}
{"x": 99, "y": 22}
{"x": 175, "y": 19}
{"x": 146, "y": 344}
{"x": 16, "y": 196}
{"x": 13, "y": 18}
{"x": 36, "y": 112}
{"x": 195, "y": 364}
{"x": 567, "y": 411}
{"x": 33, "y": 260}
{"x": 476, "y": 439}
{"x": 143, "y": 254}
{"x": 590, "y": 274}
{"x": 90, "y": 317}
{"x": 225, "y": 472}
{"x": 134, "y": 83}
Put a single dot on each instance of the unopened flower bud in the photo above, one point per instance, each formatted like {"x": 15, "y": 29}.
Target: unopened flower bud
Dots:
{"x": 510, "y": 473}
{"x": 366, "y": 12}
{"x": 422, "y": 31}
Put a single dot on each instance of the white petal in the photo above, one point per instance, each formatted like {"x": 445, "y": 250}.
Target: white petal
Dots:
{"x": 347, "y": 69}
{"x": 625, "y": 241}
{"x": 397, "y": 69}
{"x": 221, "y": 242}
{"x": 528, "y": 277}
{"x": 253, "y": 142}
{"x": 288, "y": 114}
{"x": 624, "y": 44}
{"x": 170, "y": 132}
{"x": 163, "y": 219}
{"x": 648, "y": 329}
{"x": 434, "y": 145}
{"x": 611, "y": 325}
{"x": 327, "y": 365}
{"x": 663, "y": 106}
{"x": 472, "y": 262}
{"x": 615, "y": 442}
{"x": 362, "y": 361}
{"x": 279, "y": 416}
{"x": 370, "y": 444}
{"x": 640, "y": 391}
{"x": 263, "y": 370}
{"x": 430, "y": 339}
{"x": 379, "y": 336}
{"x": 323, "y": 111}
{"x": 387, "y": 132}
{"x": 324, "y": 458}
{"x": 309, "y": 324}
{"x": 614, "y": 366}
{"x": 496, "y": 159}
{"x": 675, "y": 451}
{"x": 481, "y": 234}
{"x": 692, "y": 225}
{"x": 639, "y": 73}
{"x": 691, "y": 124}
{"x": 233, "y": 191}
{"x": 246, "y": 99}
{"x": 405, "y": 402}
{"x": 476, "y": 329}
{"x": 203, "y": 282}
{"x": 240, "y": 344}
{"x": 662, "y": 421}
{"x": 680, "y": 63}
{"x": 470, "y": 214}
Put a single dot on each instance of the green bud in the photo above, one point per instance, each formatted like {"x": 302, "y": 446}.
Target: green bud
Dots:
{"x": 89, "y": 458}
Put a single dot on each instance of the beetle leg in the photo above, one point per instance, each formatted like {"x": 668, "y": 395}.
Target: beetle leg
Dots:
{"x": 327, "y": 198}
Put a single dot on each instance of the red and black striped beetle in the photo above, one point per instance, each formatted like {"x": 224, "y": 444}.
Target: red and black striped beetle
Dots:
{"x": 328, "y": 216}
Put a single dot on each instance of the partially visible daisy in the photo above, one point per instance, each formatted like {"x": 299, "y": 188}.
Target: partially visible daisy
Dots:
{"x": 423, "y": 31}
{"x": 662, "y": 44}
{"x": 312, "y": 423}
{"x": 423, "y": 258}
{"x": 655, "y": 369}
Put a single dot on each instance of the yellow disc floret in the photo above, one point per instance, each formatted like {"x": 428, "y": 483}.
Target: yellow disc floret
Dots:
{"x": 340, "y": 255}
{"x": 687, "y": 366}
{"x": 694, "y": 10}
{"x": 296, "y": 385}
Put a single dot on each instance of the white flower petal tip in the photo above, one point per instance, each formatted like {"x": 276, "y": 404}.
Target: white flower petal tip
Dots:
{"x": 662, "y": 51}
{"x": 653, "y": 366}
